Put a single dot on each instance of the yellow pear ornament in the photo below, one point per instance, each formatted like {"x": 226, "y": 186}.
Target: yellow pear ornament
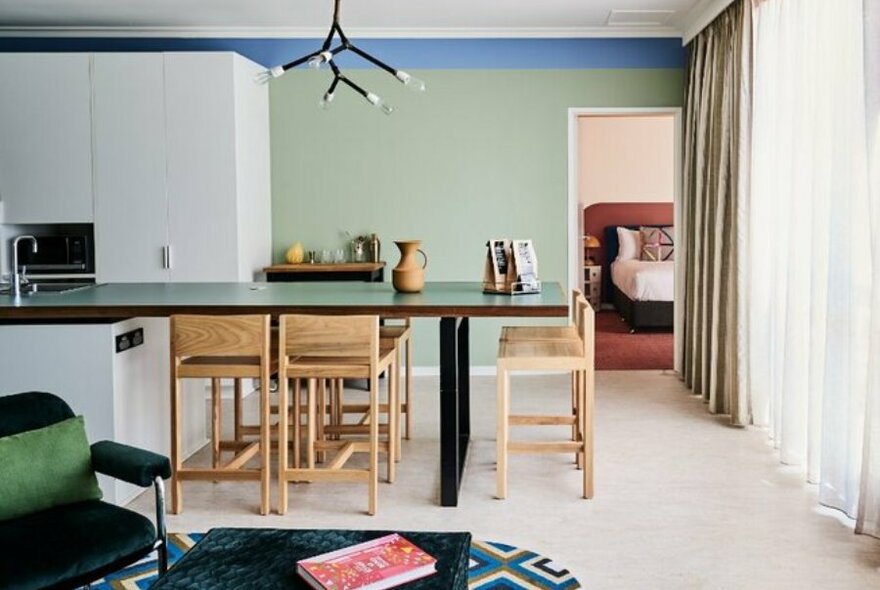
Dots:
{"x": 294, "y": 254}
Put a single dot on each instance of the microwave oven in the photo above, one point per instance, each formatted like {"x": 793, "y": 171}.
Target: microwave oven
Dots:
{"x": 71, "y": 254}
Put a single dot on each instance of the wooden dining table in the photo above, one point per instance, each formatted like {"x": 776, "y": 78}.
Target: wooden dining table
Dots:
{"x": 455, "y": 303}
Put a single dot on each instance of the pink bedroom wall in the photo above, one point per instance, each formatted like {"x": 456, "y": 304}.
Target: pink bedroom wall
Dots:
{"x": 626, "y": 159}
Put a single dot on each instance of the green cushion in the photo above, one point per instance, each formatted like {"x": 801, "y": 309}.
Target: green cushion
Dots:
{"x": 46, "y": 467}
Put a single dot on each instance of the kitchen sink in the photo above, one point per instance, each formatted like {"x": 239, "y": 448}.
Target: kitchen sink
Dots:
{"x": 48, "y": 288}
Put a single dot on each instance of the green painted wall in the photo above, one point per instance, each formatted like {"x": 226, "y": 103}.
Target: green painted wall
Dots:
{"x": 483, "y": 154}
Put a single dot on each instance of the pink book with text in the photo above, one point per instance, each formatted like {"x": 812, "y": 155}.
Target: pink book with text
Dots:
{"x": 385, "y": 562}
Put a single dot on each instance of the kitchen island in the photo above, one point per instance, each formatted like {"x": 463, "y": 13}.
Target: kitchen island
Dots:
{"x": 453, "y": 302}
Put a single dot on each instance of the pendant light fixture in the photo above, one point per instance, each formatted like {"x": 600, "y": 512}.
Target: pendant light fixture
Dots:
{"x": 327, "y": 54}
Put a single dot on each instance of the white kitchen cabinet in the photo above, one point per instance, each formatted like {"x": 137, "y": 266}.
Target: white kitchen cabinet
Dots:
{"x": 212, "y": 199}
{"x": 131, "y": 212}
{"x": 45, "y": 138}
{"x": 124, "y": 396}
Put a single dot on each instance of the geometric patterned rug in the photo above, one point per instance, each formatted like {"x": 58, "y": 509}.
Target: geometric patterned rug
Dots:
{"x": 494, "y": 566}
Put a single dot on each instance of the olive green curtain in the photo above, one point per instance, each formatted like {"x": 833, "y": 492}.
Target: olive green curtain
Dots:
{"x": 716, "y": 160}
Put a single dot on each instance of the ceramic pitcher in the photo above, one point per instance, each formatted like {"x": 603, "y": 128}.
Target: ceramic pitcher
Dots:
{"x": 409, "y": 276}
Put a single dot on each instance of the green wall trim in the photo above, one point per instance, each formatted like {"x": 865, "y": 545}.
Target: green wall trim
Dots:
{"x": 482, "y": 154}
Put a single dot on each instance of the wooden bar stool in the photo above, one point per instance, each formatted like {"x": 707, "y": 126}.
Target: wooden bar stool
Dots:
{"x": 401, "y": 337}
{"x": 218, "y": 347}
{"x": 569, "y": 332}
{"x": 575, "y": 356}
{"x": 240, "y": 429}
{"x": 318, "y": 348}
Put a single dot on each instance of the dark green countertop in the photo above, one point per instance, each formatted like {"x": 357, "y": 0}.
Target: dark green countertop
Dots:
{"x": 121, "y": 300}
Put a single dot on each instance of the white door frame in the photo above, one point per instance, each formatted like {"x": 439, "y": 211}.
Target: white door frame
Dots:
{"x": 575, "y": 215}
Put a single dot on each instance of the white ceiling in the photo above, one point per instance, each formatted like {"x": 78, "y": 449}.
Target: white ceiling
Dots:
{"x": 363, "y": 17}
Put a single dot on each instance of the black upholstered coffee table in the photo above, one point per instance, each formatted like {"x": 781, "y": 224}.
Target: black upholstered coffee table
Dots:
{"x": 227, "y": 559}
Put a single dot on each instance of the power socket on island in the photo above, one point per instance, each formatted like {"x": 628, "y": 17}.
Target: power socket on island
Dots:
{"x": 129, "y": 340}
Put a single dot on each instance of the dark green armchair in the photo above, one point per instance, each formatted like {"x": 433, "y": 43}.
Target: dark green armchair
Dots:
{"x": 75, "y": 544}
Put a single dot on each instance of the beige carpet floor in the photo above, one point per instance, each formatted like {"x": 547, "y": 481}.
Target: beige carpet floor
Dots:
{"x": 682, "y": 499}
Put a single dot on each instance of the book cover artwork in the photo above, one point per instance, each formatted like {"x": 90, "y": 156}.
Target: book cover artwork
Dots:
{"x": 385, "y": 562}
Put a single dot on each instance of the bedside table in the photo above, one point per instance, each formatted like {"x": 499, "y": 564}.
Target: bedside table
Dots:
{"x": 593, "y": 285}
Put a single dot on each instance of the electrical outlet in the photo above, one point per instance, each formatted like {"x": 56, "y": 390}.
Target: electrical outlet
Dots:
{"x": 129, "y": 340}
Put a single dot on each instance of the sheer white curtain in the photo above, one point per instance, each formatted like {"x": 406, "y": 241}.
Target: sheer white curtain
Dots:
{"x": 869, "y": 500}
{"x": 808, "y": 246}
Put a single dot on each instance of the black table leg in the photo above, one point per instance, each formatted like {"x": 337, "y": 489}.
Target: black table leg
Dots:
{"x": 454, "y": 406}
{"x": 464, "y": 387}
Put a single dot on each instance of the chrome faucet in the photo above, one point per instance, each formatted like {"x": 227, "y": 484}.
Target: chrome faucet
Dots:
{"x": 16, "y": 276}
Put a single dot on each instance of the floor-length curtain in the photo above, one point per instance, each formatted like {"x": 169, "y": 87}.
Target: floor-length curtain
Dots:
{"x": 868, "y": 520}
{"x": 715, "y": 183}
{"x": 807, "y": 257}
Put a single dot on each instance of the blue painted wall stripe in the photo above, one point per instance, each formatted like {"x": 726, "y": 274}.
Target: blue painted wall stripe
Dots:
{"x": 519, "y": 54}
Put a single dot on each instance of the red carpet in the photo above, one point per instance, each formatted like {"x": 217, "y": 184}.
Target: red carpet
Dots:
{"x": 617, "y": 349}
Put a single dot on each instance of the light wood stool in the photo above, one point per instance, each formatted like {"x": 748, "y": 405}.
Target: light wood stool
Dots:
{"x": 398, "y": 337}
{"x": 240, "y": 429}
{"x": 401, "y": 337}
{"x": 317, "y": 348}
{"x": 570, "y": 332}
{"x": 575, "y": 356}
{"x": 218, "y": 347}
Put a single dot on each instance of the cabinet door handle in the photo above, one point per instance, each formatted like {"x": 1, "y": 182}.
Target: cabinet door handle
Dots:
{"x": 169, "y": 258}
{"x": 166, "y": 257}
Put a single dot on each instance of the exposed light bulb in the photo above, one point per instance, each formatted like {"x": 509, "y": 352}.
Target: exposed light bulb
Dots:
{"x": 410, "y": 81}
{"x": 319, "y": 60}
{"x": 379, "y": 103}
{"x": 267, "y": 75}
{"x": 327, "y": 101}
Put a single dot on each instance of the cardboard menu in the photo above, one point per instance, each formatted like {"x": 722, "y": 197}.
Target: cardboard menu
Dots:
{"x": 511, "y": 267}
{"x": 386, "y": 562}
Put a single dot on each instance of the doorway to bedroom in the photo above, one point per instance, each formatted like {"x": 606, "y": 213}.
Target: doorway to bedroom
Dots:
{"x": 624, "y": 184}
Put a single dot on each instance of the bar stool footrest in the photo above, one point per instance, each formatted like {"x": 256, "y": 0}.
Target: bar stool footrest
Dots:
{"x": 545, "y": 447}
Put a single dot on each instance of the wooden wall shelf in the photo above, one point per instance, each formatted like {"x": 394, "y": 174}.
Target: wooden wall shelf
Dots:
{"x": 371, "y": 272}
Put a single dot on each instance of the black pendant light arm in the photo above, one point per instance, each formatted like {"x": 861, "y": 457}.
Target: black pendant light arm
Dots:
{"x": 337, "y": 77}
{"x": 329, "y": 39}
{"x": 333, "y": 85}
{"x": 373, "y": 60}
{"x": 342, "y": 37}
{"x": 300, "y": 61}
{"x": 355, "y": 87}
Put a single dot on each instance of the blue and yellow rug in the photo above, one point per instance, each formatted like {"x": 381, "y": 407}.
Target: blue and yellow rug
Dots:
{"x": 494, "y": 566}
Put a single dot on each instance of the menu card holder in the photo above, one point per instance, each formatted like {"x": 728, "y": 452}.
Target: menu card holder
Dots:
{"x": 511, "y": 267}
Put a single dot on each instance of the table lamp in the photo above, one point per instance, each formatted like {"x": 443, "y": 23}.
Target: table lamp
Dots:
{"x": 590, "y": 243}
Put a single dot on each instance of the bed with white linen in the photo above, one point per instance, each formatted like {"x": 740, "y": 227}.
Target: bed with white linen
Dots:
{"x": 643, "y": 280}
{"x": 642, "y": 290}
